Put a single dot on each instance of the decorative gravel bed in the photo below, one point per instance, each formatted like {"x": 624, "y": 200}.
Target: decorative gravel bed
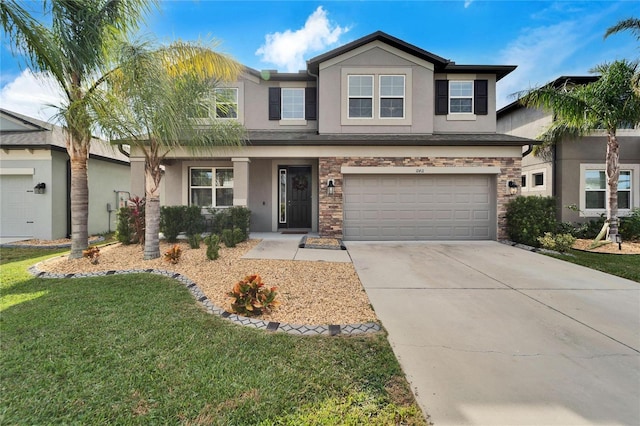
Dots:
{"x": 311, "y": 293}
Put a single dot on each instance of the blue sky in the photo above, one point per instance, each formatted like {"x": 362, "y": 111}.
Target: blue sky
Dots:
{"x": 545, "y": 39}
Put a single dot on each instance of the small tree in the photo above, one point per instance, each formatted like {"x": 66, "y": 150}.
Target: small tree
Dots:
{"x": 579, "y": 110}
{"x": 152, "y": 101}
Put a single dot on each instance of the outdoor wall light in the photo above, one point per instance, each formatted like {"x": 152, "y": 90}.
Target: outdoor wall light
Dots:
{"x": 39, "y": 188}
{"x": 331, "y": 187}
{"x": 513, "y": 187}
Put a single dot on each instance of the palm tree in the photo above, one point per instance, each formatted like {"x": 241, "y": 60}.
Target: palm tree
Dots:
{"x": 631, "y": 24}
{"x": 150, "y": 106}
{"x": 579, "y": 110}
{"x": 72, "y": 49}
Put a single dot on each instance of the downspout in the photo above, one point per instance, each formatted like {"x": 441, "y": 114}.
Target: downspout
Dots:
{"x": 528, "y": 151}
{"x": 122, "y": 151}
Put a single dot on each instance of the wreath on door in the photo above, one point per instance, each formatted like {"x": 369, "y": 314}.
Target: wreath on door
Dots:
{"x": 300, "y": 182}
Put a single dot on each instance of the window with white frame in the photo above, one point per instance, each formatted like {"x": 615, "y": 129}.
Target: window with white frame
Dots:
{"x": 392, "y": 96}
{"x": 226, "y": 102}
{"x": 360, "y": 93}
{"x": 211, "y": 186}
{"x": 460, "y": 97}
{"x": 596, "y": 193}
{"x": 292, "y": 104}
{"x": 538, "y": 179}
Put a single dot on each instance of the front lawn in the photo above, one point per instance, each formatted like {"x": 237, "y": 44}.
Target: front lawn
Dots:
{"x": 625, "y": 266}
{"x": 137, "y": 349}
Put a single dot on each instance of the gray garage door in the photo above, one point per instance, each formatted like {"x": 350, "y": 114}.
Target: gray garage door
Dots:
{"x": 16, "y": 198}
{"x": 419, "y": 207}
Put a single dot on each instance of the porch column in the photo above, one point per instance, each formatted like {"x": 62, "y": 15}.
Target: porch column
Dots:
{"x": 240, "y": 181}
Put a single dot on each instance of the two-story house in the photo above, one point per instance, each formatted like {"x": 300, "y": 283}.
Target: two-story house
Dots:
{"x": 573, "y": 171}
{"x": 375, "y": 140}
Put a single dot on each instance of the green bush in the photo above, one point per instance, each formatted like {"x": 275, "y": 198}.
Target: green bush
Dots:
{"x": 176, "y": 219}
{"x": 213, "y": 246}
{"x": 228, "y": 238}
{"x": 171, "y": 222}
{"x": 124, "y": 232}
{"x": 557, "y": 242}
{"x": 231, "y": 218}
{"x": 194, "y": 241}
{"x": 630, "y": 226}
{"x": 529, "y": 218}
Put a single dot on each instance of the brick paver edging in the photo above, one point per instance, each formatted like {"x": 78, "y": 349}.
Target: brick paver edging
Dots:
{"x": 302, "y": 330}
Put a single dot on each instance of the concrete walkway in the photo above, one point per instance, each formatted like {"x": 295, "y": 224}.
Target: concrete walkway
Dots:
{"x": 489, "y": 334}
{"x": 285, "y": 247}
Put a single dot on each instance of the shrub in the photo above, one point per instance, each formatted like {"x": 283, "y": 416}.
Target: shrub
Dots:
{"x": 192, "y": 220}
{"x": 213, "y": 247}
{"x": 124, "y": 232}
{"x": 131, "y": 222}
{"x": 630, "y": 226}
{"x": 194, "y": 241}
{"x": 557, "y": 242}
{"x": 251, "y": 297}
{"x": 176, "y": 219}
{"x": 92, "y": 253}
{"x": 173, "y": 254}
{"x": 231, "y": 218}
{"x": 171, "y": 222}
{"x": 529, "y": 218}
{"x": 228, "y": 238}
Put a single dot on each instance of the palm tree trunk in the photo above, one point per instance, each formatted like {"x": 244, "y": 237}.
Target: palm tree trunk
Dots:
{"x": 79, "y": 199}
{"x": 152, "y": 175}
{"x": 613, "y": 175}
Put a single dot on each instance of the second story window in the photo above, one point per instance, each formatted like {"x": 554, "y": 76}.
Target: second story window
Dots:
{"x": 292, "y": 104}
{"x": 360, "y": 96}
{"x": 226, "y": 102}
{"x": 391, "y": 96}
{"x": 460, "y": 97}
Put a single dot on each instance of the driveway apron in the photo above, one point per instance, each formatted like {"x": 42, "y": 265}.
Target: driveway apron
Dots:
{"x": 489, "y": 334}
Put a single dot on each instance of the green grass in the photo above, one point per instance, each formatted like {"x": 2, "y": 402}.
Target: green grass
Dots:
{"x": 625, "y": 266}
{"x": 137, "y": 349}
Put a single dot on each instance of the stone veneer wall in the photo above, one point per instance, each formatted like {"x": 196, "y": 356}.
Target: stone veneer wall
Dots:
{"x": 330, "y": 207}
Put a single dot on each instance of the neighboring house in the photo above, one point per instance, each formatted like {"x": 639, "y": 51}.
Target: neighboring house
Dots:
{"x": 573, "y": 171}
{"x": 375, "y": 140}
{"x": 35, "y": 184}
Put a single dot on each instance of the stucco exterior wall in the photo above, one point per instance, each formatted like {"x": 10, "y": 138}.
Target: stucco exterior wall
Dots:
{"x": 105, "y": 178}
{"x": 260, "y": 195}
{"x": 468, "y": 123}
{"x": 376, "y": 61}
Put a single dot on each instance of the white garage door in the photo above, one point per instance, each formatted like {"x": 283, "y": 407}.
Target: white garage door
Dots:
{"x": 423, "y": 207}
{"x": 16, "y": 209}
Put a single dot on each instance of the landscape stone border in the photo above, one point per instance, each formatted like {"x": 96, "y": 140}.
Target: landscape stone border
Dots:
{"x": 196, "y": 292}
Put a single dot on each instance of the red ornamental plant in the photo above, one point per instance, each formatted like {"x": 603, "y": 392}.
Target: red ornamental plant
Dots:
{"x": 252, "y": 297}
{"x": 138, "y": 217}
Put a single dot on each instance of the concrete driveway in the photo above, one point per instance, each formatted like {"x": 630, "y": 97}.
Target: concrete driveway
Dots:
{"x": 489, "y": 334}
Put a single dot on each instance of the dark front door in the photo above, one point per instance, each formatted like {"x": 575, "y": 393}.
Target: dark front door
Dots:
{"x": 295, "y": 196}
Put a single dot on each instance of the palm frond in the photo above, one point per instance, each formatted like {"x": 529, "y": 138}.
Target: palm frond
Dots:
{"x": 631, "y": 24}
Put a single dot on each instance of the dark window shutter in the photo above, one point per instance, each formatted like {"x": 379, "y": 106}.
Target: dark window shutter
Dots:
{"x": 442, "y": 97}
{"x": 310, "y": 109}
{"x": 481, "y": 97}
{"x": 274, "y": 103}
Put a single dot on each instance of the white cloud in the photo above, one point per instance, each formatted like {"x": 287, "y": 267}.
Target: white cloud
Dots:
{"x": 467, "y": 3}
{"x": 31, "y": 95}
{"x": 288, "y": 49}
